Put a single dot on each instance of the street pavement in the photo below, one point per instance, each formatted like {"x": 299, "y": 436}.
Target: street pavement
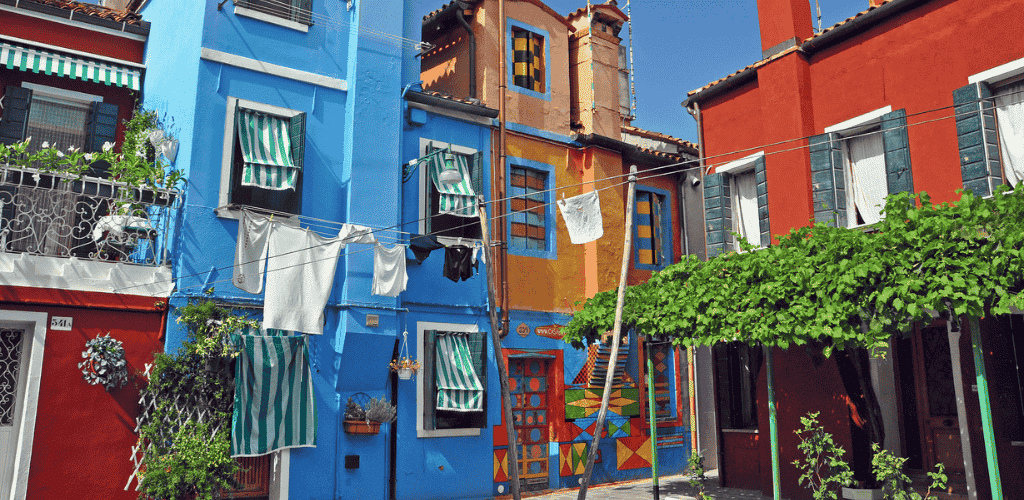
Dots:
{"x": 670, "y": 488}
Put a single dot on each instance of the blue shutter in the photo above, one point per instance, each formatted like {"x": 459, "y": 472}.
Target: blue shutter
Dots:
{"x": 717, "y": 214}
{"x": 828, "y": 180}
{"x": 980, "y": 164}
{"x": 101, "y": 126}
{"x": 897, "y": 152}
{"x": 14, "y": 121}
{"x": 761, "y": 176}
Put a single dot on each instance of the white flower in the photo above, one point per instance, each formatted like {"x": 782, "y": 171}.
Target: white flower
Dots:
{"x": 107, "y": 146}
{"x": 72, "y": 149}
{"x": 60, "y": 154}
{"x": 36, "y": 177}
{"x": 46, "y": 144}
{"x": 28, "y": 140}
{"x": 88, "y": 156}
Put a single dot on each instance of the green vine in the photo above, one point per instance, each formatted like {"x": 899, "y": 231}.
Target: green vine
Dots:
{"x": 836, "y": 287}
{"x": 823, "y": 467}
{"x": 189, "y": 428}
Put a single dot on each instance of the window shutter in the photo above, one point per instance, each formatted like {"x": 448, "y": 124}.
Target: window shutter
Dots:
{"x": 828, "y": 180}
{"x": 101, "y": 126}
{"x": 761, "y": 176}
{"x": 297, "y": 134}
{"x": 980, "y": 163}
{"x": 14, "y": 121}
{"x": 302, "y": 11}
{"x": 717, "y": 214}
{"x": 897, "y": 152}
{"x": 657, "y": 230}
{"x": 477, "y": 172}
{"x": 429, "y": 386}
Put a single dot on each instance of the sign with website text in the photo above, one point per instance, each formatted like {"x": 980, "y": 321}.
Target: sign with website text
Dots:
{"x": 549, "y": 331}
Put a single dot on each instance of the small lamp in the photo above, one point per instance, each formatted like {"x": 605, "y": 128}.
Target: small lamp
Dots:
{"x": 449, "y": 172}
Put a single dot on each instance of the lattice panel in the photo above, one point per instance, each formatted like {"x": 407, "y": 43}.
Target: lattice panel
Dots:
{"x": 10, "y": 366}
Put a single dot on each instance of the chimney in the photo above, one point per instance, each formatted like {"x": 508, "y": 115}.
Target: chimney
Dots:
{"x": 784, "y": 24}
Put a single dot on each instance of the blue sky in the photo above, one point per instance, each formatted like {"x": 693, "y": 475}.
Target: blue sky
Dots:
{"x": 681, "y": 45}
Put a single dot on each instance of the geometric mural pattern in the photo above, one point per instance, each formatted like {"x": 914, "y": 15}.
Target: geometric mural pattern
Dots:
{"x": 528, "y": 386}
{"x": 583, "y": 403}
{"x": 501, "y": 465}
{"x": 619, "y": 427}
{"x": 663, "y": 373}
{"x": 633, "y": 452}
{"x": 572, "y": 458}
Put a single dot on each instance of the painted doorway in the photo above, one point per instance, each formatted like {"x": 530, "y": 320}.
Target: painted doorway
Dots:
{"x": 528, "y": 383}
{"x": 936, "y": 400}
{"x": 12, "y": 398}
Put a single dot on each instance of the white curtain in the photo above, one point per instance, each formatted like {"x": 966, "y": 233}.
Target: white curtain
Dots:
{"x": 867, "y": 174}
{"x": 744, "y": 207}
{"x": 1010, "y": 118}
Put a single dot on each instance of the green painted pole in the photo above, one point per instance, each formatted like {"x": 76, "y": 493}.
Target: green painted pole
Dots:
{"x": 773, "y": 427}
{"x": 654, "y": 425}
{"x": 986, "y": 411}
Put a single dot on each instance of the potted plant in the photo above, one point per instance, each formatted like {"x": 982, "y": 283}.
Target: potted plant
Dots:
{"x": 359, "y": 420}
{"x": 104, "y": 362}
{"x": 405, "y": 366}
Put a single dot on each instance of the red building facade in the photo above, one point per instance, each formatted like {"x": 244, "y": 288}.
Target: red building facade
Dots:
{"x": 908, "y": 95}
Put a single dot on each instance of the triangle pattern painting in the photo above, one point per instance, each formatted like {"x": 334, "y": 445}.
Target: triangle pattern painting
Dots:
{"x": 501, "y": 465}
{"x": 633, "y": 452}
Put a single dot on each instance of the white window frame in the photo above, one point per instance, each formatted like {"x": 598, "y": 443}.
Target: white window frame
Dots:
{"x": 280, "y": 467}
{"x": 999, "y": 73}
{"x": 421, "y": 330}
{"x": 424, "y": 193}
{"x": 33, "y": 345}
{"x": 227, "y": 152}
{"x": 845, "y": 130}
{"x": 734, "y": 168}
{"x": 270, "y": 18}
{"x": 70, "y": 95}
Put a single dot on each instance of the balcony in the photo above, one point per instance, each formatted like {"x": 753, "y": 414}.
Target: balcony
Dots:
{"x": 88, "y": 218}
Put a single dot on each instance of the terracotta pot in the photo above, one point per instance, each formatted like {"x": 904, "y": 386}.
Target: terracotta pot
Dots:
{"x": 361, "y": 427}
{"x": 405, "y": 373}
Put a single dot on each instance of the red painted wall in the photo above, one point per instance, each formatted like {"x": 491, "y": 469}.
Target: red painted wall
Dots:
{"x": 83, "y": 434}
{"x": 71, "y": 37}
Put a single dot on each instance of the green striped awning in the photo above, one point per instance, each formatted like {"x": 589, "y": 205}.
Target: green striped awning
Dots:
{"x": 275, "y": 407}
{"x": 266, "y": 151}
{"x": 456, "y": 199}
{"x": 458, "y": 388}
{"x": 38, "y": 61}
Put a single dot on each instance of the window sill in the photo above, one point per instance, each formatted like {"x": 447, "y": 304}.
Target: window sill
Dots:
{"x": 538, "y": 254}
{"x": 647, "y": 267}
{"x": 424, "y": 433}
{"x": 235, "y": 212}
{"x": 741, "y": 431}
{"x": 269, "y": 18}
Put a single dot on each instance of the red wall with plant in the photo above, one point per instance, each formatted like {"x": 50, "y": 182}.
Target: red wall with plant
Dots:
{"x": 84, "y": 434}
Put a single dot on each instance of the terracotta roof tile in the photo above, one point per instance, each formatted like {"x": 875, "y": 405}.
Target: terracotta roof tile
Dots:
{"x": 449, "y": 97}
{"x": 762, "y": 62}
{"x": 658, "y": 136}
{"x": 94, "y": 11}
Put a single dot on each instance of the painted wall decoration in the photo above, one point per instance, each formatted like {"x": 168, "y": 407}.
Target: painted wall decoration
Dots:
{"x": 582, "y": 403}
{"x": 633, "y": 452}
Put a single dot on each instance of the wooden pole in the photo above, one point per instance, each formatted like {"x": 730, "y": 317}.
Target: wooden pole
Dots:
{"x": 616, "y": 336}
{"x": 506, "y": 397}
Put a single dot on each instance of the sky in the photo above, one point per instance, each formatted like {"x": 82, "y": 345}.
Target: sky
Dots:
{"x": 681, "y": 45}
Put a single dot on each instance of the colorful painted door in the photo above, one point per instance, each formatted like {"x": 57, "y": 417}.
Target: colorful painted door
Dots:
{"x": 528, "y": 383}
{"x": 11, "y": 395}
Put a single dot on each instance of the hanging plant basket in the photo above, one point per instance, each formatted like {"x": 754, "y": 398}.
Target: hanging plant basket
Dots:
{"x": 405, "y": 365}
{"x": 104, "y": 363}
{"x": 405, "y": 373}
{"x": 361, "y": 427}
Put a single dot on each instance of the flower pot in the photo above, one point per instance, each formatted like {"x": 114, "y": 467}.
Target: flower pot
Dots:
{"x": 405, "y": 373}
{"x": 862, "y": 493}
{"x": 361, "y": 427}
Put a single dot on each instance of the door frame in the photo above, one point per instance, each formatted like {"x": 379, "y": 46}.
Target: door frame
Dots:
{"x": 35, "y": 327}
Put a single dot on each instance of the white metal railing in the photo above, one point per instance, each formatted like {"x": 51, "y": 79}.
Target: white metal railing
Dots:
{"x": 61, "y": 215}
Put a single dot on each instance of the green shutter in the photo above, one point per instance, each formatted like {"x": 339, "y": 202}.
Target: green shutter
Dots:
{"x": 828, "y": 180}
{"x": 761, "y": 176}
{"x": 14, "y": 121}
{"x": 477, "y": 172}
{"x": 717, "y": 214}
{"x": 899, "y": 175}
{"x": 303, "y": 12}
{"x": 101, "y": 125}
{"x": 980, "y": 163}
{"x": 429, "y": 388}
{"x": 297, "y": 134}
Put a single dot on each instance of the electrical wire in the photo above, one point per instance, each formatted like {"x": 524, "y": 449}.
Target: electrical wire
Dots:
{"x": 640, "y": 177}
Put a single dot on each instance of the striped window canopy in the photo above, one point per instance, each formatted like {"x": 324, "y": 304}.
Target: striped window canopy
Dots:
{"x": 266, "y": 143}
{"x": 14, "y": 56}
{"x": 458, "y": 387}
{"x": 455, "y": 199}
{"x": 275, "y": 407}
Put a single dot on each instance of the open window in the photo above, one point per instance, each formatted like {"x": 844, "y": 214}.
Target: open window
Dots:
{"x": 452, "y": 213}
{"x": 736, "y": 201}
{"x": 452, "y": 387}
{"x": 736, "y": 368}
{"x": 990, "y": 128}
{"x": 298, "y": 11}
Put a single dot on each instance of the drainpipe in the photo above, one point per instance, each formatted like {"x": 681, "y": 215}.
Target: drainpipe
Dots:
{"x": 472, "y": 49}
{"x": 694, "y": 111}
{"x": 502, "y": 160}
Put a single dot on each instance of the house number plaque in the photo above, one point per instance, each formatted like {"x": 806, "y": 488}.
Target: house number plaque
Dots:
{"x": 60, "y": 323}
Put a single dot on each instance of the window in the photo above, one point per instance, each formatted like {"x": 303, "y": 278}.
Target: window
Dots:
{"x": 452, "y": 390}
{"x": 744, "y": 207}
{"x": 263, "y": 156}
{"x": 528, "y": 208}
{"x": 990, "y": 127}
{"x": 736, "y": 368}
{"x": 736, "y": 201}
{"x": 529, "y": 52}
{"x": 528, "y": 60}
{"x": 1009, "y": 103}
{"x": 856, "y": 164}
{"x": 449, "y": 214}
{"x": 652, "y": 220}
{"x": 297, "y": 11}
